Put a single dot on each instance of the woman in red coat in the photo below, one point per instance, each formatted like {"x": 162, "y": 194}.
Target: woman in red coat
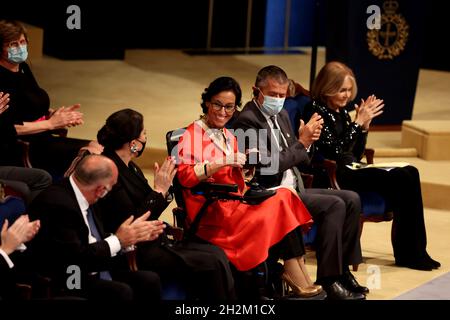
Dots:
{"x": 247, "y": 233}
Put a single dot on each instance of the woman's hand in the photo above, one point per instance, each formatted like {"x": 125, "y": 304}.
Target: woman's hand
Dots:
{"x": 21, "y": 231}
{"x": 164, "y": 175}
{"x": 66, "y": 117}
{"x": 234, "y": 160}
{"x": 4, "y": 99}
{"x": 368, "y": 109}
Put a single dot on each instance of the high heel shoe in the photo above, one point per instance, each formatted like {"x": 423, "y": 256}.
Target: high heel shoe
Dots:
{"x": 310, "y": 291}
{"x": 301, "y": 263}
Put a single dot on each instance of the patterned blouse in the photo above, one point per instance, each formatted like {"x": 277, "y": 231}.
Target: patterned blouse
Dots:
{"x": 341, "y": 139}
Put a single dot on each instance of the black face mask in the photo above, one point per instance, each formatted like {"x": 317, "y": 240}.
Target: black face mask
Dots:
{"x": 139, "y": 153}
{"x": 134, "y": 148}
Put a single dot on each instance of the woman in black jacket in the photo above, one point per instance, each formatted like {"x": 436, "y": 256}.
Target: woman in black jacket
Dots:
{"x": 344, "y": 140}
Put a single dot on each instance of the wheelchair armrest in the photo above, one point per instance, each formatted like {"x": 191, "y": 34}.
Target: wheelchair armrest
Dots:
{"x": 207, "y": 187}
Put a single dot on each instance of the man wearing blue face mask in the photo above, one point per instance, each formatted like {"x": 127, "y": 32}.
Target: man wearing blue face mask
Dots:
{"x": 335, "y": 212}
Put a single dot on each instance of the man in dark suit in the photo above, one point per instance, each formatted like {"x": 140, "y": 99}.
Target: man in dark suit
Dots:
{"x": 336, "y": 212}
{"x": 72, "y": 248}
{"x": 12, "y": 239}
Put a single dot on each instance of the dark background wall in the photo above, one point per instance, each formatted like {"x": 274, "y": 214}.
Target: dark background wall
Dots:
{"x": 109, "y": 27}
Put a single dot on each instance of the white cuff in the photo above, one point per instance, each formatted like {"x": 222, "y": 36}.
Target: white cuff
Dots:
{"x": 7, "y": 259}
{"x": 199, "y": 169}
{"x": 114, "y": 244}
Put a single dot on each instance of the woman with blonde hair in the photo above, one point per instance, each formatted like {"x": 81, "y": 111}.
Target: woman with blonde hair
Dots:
{"x": 344, "y": 141}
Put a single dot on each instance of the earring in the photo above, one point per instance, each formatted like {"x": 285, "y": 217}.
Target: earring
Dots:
{"x": 133, "y": 148}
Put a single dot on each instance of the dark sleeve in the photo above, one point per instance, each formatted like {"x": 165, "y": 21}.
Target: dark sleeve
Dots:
{"x": 295, "y": 155}
{"x": 6, "y": 278}
{"x": 59, "y": 238}
{"x": 118, "y": 205}
{"x": 154, "y": 201}
{"x": 4, "y": 268}
{"x": 347, "y": 148}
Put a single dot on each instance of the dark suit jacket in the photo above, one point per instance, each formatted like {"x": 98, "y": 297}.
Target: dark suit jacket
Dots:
{"x": 5, "y": 278}
{"x": 296, "y": 155}
{"x": 131, "y": 195}
{"x": 63, "y": 237}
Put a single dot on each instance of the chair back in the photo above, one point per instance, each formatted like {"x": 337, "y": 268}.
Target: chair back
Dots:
{"x": 172, "y": 139}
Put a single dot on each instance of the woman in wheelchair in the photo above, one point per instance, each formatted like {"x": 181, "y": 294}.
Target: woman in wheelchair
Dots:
{"x": 248, "y": 233}
{"x": 201, "y": 268}
{"x": 344, "y": 141}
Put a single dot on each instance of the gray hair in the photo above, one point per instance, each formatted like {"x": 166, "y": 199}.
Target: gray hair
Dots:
{"x": 273, "y": 72}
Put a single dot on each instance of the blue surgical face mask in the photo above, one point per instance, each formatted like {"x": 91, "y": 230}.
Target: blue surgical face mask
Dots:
{"x": 18, "y": 54}
{"x": 272, "y": 105}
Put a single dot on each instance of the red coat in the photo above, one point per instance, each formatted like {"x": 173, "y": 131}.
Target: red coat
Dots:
{"x": 245, "y": 232}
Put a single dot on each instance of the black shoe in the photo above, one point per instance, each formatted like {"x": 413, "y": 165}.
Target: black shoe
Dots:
{"x": 420, "y": 264}
{"x": 336, "y": 291}
{"x": 435, "y": 264}
{"x": 350, "y": 283}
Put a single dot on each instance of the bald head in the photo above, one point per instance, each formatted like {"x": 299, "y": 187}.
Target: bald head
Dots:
{"x": 93, "y": 169}
{"x": 95, "y": 175}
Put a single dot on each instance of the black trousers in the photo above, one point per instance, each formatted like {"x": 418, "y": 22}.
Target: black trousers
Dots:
{"x": 27, "y": 181}
{"x": 202, "y": 268}
{"x": 126, "y": 285}
{"x": 336, "y": 213}
{"x": 401, "y": 188}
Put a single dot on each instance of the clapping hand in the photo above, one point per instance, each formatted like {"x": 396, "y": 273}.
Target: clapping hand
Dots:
{"x": 132, "y": 231}
{"x": 310, "y": 132}
{"x": 21, "y": 231}
{"x": 234, "y": 160}
{"x": 4, "y": 99}
{"x": 367, "y": 110}
{"x": 66, "y": 117}
{"x": 164, "y": 175}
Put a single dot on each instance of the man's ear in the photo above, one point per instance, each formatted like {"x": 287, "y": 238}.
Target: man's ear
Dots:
{"x": 255, "y": 91}
{"x": 98, "y": 190}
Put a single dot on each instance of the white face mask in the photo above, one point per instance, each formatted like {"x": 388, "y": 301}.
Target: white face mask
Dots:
{"x": 272, "y": 105}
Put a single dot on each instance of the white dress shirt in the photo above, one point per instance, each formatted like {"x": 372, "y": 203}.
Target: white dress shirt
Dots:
{"x": 112, "y": 240}
{"x": 289, "y": 179}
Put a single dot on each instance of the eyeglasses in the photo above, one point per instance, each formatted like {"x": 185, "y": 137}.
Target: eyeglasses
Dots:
{"x": 17, "y": 43}
{"x": 229, "y": 108}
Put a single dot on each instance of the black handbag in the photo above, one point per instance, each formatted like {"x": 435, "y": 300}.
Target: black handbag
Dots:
{"x": 257, "y": 193}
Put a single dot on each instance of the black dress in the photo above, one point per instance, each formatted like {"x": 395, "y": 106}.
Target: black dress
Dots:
{"x": 28, "y": 103}
{"x": 344, "y": 141}
{"x": 203, "y": 267}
